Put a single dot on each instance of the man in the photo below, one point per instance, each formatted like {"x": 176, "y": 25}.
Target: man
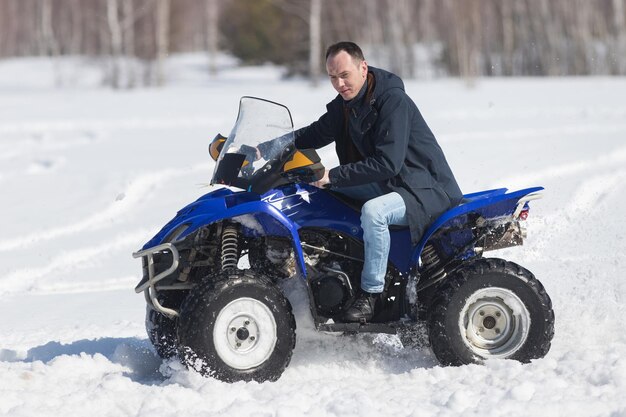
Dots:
{"x": 388, "y": 158}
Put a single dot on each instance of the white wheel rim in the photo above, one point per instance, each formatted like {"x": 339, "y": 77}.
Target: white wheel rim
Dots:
{"x": 494, "y": 323}
{"x": 244, "y": 334}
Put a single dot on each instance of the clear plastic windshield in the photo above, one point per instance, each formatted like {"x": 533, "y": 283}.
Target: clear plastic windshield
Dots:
{"x": 261, "y": 133}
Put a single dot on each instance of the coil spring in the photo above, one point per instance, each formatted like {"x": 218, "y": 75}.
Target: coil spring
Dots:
{"x": 230, "y": 247}
{"x": 429, "y": 256}
{"x": 430, "y": 261}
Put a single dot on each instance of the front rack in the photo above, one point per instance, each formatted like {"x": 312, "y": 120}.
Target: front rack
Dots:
{"x": 148, "y": 282}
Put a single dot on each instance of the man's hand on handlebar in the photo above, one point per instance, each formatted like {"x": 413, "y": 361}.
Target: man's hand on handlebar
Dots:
{"x": 323, "y": 182}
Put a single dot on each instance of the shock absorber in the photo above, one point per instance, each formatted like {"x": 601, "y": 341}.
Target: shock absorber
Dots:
{"x": 429, "y": 256}
{"x": 431, "y": 260}
{"x": 230, "y": 247}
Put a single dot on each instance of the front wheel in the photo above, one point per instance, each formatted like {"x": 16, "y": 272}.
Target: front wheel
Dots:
{"x": 238, "y": 328}
{"x": 161, "y": 332}
{"x": 162, "y": 329}
{"x": 491, "y": 309}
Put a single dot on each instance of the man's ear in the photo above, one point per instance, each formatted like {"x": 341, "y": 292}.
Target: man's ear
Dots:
{"x": 364, "y": 68}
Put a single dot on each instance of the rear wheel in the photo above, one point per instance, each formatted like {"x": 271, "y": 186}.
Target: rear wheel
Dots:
{"x": 238, "y": 328}
{"x": 491, "y": 309}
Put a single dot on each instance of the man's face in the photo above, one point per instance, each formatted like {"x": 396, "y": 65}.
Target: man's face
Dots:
{"x": 346, "y": 75}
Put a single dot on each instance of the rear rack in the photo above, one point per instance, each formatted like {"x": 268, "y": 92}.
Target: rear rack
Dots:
{"x": 148, "y": 282}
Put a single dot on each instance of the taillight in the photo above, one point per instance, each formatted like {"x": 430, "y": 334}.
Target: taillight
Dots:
{"x": 523, "y": 215}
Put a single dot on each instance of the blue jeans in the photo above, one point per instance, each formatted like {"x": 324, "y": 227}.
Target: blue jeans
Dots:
{"x": 379, "y": 211}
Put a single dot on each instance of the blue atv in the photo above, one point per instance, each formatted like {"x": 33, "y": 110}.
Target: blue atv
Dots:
{"x": 211, "y": 275}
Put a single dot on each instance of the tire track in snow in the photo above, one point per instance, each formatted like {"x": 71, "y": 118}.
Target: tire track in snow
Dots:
{"x": 23, "y": 146}
{"x": 536, "y": 133}
{"x": 589, "y": 197}
{"x": 530, "y": 113}
{"x": 591, "y": 194}
{"x": 111, "y": 284}
{"x": 616, "y": 157}
{"x": 588, "y": 202}
{"x": 99, "y": 124}
{"x": 26, "y": 279}
{"x": 138, "y": 189}
{"x": 590, "y": 221}
{"x": 89, "y": 131}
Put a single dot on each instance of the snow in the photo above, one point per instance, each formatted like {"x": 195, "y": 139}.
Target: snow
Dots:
{"x": 87, "y": 175}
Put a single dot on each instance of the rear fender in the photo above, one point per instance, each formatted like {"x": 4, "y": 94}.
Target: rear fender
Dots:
{"x": 490, "y": 205}
{"x": 256, "y": 216}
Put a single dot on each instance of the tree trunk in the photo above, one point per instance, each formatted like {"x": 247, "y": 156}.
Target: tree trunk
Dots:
{"x": 619, "y": 21}
{"x": 162, "y": 38}
{"x": 212, "y": 33}
{"x": 4, "y": 22}
{"x": 128, "y": 50}
{"x": 374, "y": 34}
{"x": 474, "y": 57}
{"x": 409, "y": 36}
{"x": 550, "y": 37}
{"x": 428, "y": 30}
{"x": 583, "y": 38}
{"x": 394, "y": 38}
{"x": 461, "y": 41}
{"x": 48, "y": 43}
{"x": 523, "y": 44}
{"x": 76, "y": 45}
{"x": 508, "y": 37}
{"x": 115, "y": 31}
{"x": 315, "y": 41}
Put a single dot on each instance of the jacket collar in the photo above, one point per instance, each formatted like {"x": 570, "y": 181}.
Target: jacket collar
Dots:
{"x": 365, "y": 99}
{"x": 356, "y": 101}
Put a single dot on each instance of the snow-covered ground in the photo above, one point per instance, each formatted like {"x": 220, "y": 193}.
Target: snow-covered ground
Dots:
{"x": 87, "y": 175}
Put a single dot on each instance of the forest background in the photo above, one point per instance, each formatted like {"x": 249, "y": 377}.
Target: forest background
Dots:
{"x": 130, "y": 39}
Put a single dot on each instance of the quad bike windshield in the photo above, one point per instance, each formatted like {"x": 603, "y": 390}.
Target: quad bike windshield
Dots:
{"x": 259, "y": 152}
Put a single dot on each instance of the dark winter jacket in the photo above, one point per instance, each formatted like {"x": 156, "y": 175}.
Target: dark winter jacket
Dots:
{"x": 395, "y": 148}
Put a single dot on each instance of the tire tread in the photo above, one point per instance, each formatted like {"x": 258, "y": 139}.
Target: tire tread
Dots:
{"x": 439, "y": 337}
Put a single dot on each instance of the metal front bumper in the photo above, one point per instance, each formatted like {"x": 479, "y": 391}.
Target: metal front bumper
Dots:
{"x": 149, "y": 280}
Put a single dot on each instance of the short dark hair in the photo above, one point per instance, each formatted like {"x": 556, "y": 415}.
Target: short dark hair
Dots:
{"x": 350, "y": 47}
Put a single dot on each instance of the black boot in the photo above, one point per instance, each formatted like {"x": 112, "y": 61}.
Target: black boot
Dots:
{"x": 363, "y": 307}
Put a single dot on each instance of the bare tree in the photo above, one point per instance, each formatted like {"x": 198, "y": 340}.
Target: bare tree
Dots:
{"x": 47, "y": 42}
{"x": 582, "y": 18}
{"x": 212, "y": 33}
{"x": 508, "y": 36}
{"x": 426, "y": 19}
{"x": 4, "y": 34}
{"x": 115, "y": 30}
{"x": 315, "y": 41}
{"x": 393, "y": 37}
{"x": 461, "y": 37}
{"x": 619, "y": 50}
{"x": 128, "y": 31}
{"x": 162, "y": 28}
{"x": 373, "y": 36}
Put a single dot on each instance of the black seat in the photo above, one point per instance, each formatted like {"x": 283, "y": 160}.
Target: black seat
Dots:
{"x": 356, "y": 205}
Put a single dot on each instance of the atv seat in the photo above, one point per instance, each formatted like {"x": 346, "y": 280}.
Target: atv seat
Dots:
{"x": 348, "y": 201}
{"x": 356, "y": 205}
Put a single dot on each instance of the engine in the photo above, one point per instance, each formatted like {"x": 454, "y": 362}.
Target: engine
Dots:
{"x": 335, "y": 262}
{"x": 331, "y": 292}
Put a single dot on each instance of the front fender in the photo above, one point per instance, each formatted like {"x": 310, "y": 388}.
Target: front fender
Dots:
{"x": 226, "y": 204}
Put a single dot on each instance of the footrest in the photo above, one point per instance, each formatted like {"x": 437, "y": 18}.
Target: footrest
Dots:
{"x": 389, "y": 328}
